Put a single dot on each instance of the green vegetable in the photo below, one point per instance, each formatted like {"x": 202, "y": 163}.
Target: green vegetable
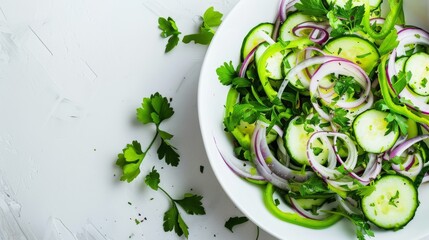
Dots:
{"x": 190, "y": 203}
{"x": 169, "y": 29}
{"x": 210, "y": 20}
{"x": 362, "y": 226}
{"x": 389, "y": 43}
{"x": 396, "y": 7}
{"x": 395, "y": 107}
{"x": 295, "y": 218}
{"x": 314, "y": 8}
{"x": 234, "y": 221}
{"x": 345, "y": 19}
{"x": 226, "y": 73}
{"x": 155, "y": 109}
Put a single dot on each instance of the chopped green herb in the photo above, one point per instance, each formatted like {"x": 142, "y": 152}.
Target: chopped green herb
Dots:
{"x": 169, "y": 29}
{"x": 234, "y": 221}
{"x": 210, "y": 20}
{"x": 393, "y": 200}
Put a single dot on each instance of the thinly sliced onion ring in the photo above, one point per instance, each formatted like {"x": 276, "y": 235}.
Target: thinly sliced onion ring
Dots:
{"x": 347, "y": 68}
{"x": 300, "y": 67}
{"x": 261, "y": 165}
{"x": 330, "y": 173}
{"x": 398, "y": 150}
{"x": 261, "y": 149}
{"x": 239, "y": 167}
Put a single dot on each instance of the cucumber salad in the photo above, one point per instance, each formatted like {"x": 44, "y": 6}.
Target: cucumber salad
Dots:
{"x": 328, "y": 113}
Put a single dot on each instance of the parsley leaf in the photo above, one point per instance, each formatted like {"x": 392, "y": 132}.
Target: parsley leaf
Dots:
{"x": 191, "y": 204}
{"x": 154, "y": 109}
{"x": 396, "y": 122}
{"x": 226, "y": 73}
{"x": 234, "y": 221}
{"x": 241, "y": 112}
{"x": 210, "y": 20}
{"x": 169, "y": 29}
{"x": 167, "y": 151}
{"x": 312, "y": 186}
{"x": 152, "y": 179}
{"x": 129, "y": 160}
{"x": 362, "y": 226}
{"x": 345, "y": 19}
{"x": 341, "y": 119}
{"x": 346, "y": 85}
{"x": 314, "y": 8}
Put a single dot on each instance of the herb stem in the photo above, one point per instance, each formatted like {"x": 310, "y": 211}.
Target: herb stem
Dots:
{"x": 168, "y": 195}
{"x": 152, "y": 142}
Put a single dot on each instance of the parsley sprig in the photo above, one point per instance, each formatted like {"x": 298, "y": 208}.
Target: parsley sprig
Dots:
{"x": 155, "y": 110}
{"x": 362, "y": 226}
{"x": 169, "y": 29}
{"x": 173, "y": 220}
{"x": 210, "y": 20}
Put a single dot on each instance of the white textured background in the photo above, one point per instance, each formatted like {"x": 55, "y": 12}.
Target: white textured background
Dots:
{"x": 72, "y": 73}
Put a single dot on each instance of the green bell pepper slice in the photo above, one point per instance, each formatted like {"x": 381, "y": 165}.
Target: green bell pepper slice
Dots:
{"x": 294, "y": 217}
{"x": 395, "y": 14}
{"x": 399, "y": 109}
{"x": 270, "y": 51}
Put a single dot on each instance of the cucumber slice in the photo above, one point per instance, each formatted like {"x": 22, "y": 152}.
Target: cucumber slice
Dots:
{"x": 274, "y": 63}
{"x": 296, "y": 139}
{"x": 418, "y": 65}
{"x": 285, "y": 32}
{"x": 356, "y": 49}
{"x": 400, "y": 63}
{"x": 309, "y": 203}
{"x": 370, "y": 129}
{"x": 289, "y": 62}
{"x": 260, "y": 50}
{"x": 393, "y": 203}
{"x": 253, "y": 38}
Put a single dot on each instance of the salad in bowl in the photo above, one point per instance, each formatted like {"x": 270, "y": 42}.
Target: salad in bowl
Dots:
{"x": 326, "y": 113}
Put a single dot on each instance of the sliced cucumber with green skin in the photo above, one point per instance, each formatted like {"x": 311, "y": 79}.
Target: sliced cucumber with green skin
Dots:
{"x": 400, "y": 63}
{"x": 418, "y": 65}
{"x": 274, "y": 65}
{"x": 260, "y": 50}
{"x": 296, "y": 139}
{"x": 253, "y": 38}
{"x": 393, "y": 203}
{"x": 370, "y": 129}
{"x": 285, "y": 32}
{"x": 308, "y": 203}
{"x": 289, "y": 62}
{"x": 356, "y": 49}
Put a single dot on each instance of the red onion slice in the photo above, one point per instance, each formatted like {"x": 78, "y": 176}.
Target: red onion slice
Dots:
{"x": 346, "y": 68}
{"x": 239, "y": 167}
{"x": 331, "y": 173}
{"x": 266, "y": 158}
{"x": 397, "y": 151}
{"x": 249, "y": 58}
{"x": 260, "y": 163}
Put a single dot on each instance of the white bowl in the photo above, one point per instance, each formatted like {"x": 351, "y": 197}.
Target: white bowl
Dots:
{"x": 247, "y": 197}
